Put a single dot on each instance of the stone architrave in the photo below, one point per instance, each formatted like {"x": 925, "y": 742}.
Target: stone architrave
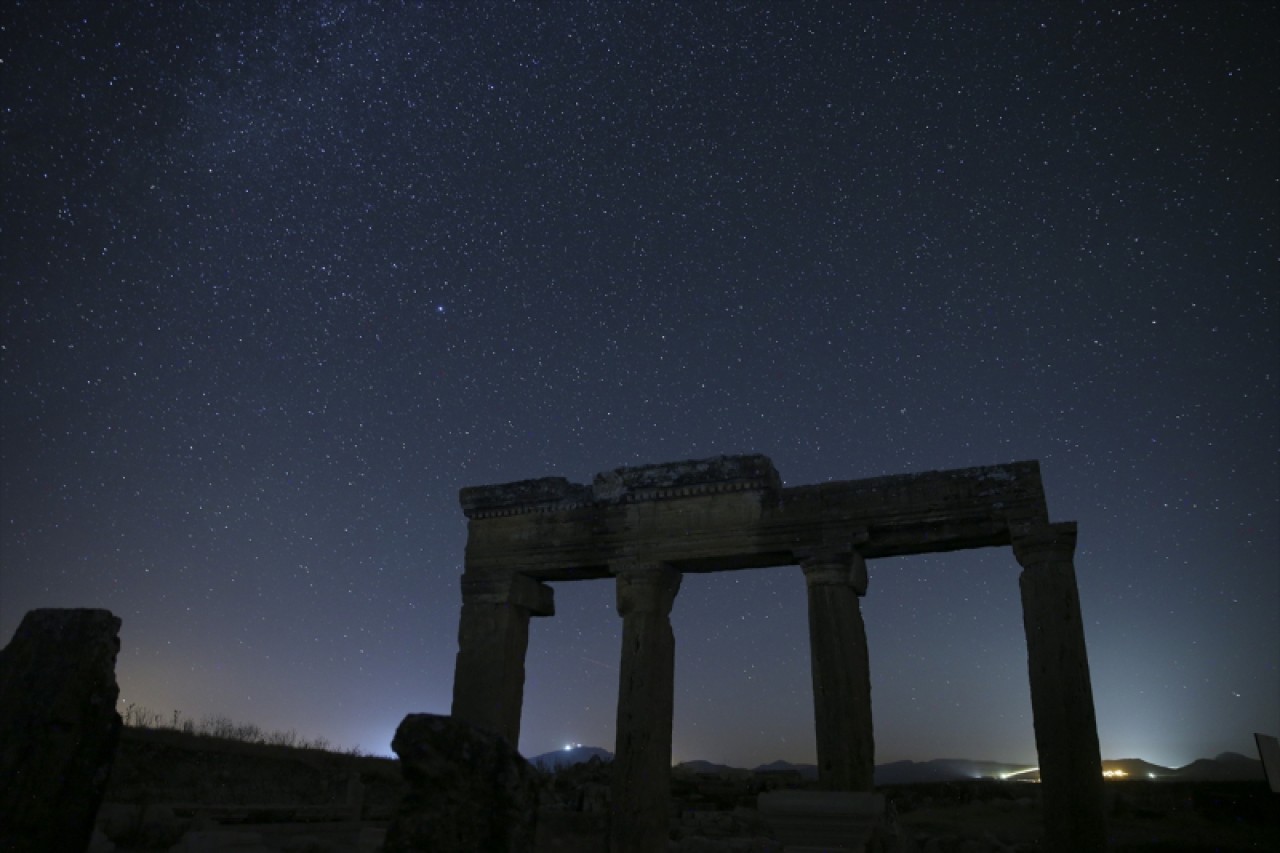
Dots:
{"x": 493, "y": 636}
{"x": 841, "y": 670}
{"x": 642, "y": 767}
{"x": 58, "y": 728}
{"x": 1061, "y": 693}
{"x": 469, "y": 790}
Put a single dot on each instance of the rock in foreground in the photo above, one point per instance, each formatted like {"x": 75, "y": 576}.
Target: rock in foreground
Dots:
{"x": 469, "y": 790}
{"x": 58, "y": 727}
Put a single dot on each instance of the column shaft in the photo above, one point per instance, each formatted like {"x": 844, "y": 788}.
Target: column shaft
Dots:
{"x": 493, "y": 636}
{"x": 642, "y": 763}
{"x": 1061, "y": 693}
{"x": 841, "y": 673}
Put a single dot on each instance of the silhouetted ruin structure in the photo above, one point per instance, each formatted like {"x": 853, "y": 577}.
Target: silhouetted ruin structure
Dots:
{"x": 58, "y": 727}
{"x": 646, "y": 527}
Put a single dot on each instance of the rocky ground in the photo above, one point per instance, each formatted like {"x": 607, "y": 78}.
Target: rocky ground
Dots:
{"x": 995, "y": 826}
{"x": 168, "y": 794}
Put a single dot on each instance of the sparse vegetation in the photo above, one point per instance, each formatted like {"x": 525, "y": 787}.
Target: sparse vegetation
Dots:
{"x": 222, "y": 726}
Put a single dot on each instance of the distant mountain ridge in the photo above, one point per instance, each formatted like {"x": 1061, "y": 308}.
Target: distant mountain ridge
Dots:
{"x": 709, "y": 768}
{"x": 576, "y": 754}
{"x": 946, "y": 770}
{"x": 1226, "y": 767}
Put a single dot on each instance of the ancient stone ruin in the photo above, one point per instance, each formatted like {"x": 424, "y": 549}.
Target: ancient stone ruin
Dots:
{"x": 58, "y": 727}
{"x": 646, "y": 527}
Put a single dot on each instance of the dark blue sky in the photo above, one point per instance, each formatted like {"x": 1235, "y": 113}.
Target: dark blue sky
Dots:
{"x": 279, "y": 279}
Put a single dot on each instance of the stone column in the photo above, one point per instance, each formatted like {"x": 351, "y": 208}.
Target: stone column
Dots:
{"x": 841, "y": 671}
{"x": 641, "y": 804}
{"x": 1061, "y": 694}
{"x": 493, "y": 635}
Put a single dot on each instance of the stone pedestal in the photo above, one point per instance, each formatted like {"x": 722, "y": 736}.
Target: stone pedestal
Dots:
{"x": 493, "y": 636}
{"x": 841, "y": 671}
{"x": 1061, "y": 695}
{"x": 58, "y": 728}
{"x": 641, "y": 801}
{"x": 822, "y": 821}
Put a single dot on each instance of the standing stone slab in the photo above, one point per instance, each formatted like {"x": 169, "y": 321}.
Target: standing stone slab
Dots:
{"x": 58, "y": 728}
{"x": 469, "y": 790}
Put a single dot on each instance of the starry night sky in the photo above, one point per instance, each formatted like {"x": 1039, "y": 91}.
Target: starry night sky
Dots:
{"x": 280, "y": 278}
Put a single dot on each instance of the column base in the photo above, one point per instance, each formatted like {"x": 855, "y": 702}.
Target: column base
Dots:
{"x": 828, "y": 821}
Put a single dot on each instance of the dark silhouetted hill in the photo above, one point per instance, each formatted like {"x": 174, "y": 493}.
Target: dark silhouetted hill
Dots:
{"x": 805, "y": 771}
{"x": 1227, "y": 767}
{"x": 568, "y": 757}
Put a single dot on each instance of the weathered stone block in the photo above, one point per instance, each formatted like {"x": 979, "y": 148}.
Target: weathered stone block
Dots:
{"x": 505, "y": 498}
{"x": 469, "y": 790}
{"x": 58, "y": 728}
{"x": 832, "y": 821}
{"x": 682, "y": 479}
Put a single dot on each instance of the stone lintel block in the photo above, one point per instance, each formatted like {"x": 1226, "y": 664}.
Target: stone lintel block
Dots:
{"x": 467, "y": 790}
{"x": 691, "y": 477}
{"x": 1047, "y": 543}
{"x": 1013, "y": 490}
{"x": 1010, "y": 479}
{"x": 717, "y": 475}
{"x": 521, "y": 496}
{"x": 509, "y": 588}
{"x": 685, "y": 515}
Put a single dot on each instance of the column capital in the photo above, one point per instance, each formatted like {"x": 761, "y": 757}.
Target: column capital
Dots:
{"x": 508, "y": 588}
{"x": 824, "y": 567}
{"x": 645, "y": 586}
{"x": 1049, "y": 543}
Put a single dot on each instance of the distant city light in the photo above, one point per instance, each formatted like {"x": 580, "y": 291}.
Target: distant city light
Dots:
{"x": 1014, "y": 774}
{"x": 1114, "y": 774}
